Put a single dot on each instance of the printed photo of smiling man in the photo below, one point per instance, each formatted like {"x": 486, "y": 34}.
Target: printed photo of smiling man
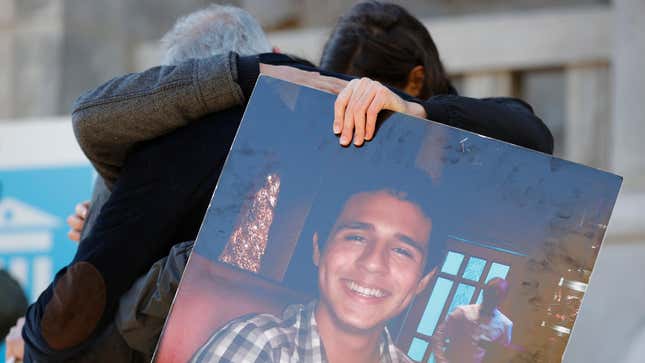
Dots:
{"x": 371, "y": 245}
{"x": 311, "y": 252}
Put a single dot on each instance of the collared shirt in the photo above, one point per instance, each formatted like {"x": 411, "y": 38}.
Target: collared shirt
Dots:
{"x": 267, "y": 338}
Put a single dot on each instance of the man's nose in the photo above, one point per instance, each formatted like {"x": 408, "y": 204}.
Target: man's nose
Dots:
{"x": 374, "y": 258}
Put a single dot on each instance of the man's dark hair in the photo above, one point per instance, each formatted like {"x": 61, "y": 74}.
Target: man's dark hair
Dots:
{"x": 384, "y": 42}
{"x": 407, "y": 184}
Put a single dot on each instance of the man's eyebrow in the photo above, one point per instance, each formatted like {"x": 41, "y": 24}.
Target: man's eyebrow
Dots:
{"x": 370, "y": 227}
{"x": 409, "y": 241}
{"x": 356, "y": 225}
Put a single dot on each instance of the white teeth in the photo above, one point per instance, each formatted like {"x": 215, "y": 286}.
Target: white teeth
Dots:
{"x": 365, "y": 290}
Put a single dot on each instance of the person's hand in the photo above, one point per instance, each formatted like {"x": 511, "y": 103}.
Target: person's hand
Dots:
{"x": 358, "y": 105}
{"x": 15, "y": 345}
{"x": 305, "y": 78}
{"x": 76, "y": 221}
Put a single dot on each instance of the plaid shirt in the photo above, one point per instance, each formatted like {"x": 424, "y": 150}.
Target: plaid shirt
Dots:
{"x": 266, "y": 338}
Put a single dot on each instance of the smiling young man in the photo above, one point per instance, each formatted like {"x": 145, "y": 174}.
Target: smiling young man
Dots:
{"x": 372, "y": 262}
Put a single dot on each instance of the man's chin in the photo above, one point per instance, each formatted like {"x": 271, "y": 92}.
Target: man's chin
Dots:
{"x": 361, "y": 326}
{"x": 361, "y": 319}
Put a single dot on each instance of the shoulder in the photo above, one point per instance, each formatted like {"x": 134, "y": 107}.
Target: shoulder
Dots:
{"x": 248, "y": 338}
{"x": 510, "y": 101}
{"x": 256, "y": 337}
{"x": 260, "y": 328}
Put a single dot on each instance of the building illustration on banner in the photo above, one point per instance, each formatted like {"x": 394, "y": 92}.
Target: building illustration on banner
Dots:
{"x": 26, "y": 241}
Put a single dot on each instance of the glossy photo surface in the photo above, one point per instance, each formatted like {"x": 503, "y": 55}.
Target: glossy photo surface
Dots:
{"x": 467, "y": 248}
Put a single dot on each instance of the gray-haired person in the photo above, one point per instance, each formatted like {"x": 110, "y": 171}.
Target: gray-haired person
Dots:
{"x": 216, "y": 29}
{"x": 113, "y": 121}
{"x": 72, "y": 319}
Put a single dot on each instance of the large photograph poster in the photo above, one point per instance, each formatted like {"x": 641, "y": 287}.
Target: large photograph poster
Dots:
{"x": 351, "y": 236}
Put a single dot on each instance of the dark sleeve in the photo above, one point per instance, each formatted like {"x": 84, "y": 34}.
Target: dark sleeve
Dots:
{"x": 100, "y": 195}
{"x": 144, "y": 307}
{"x": 160, "y": 199}
{"x": 506, "y": 119}
{"x": 248, "y": 70}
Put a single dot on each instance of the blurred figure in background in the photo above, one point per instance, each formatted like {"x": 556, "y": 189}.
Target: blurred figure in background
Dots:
{"x": 13, "y": 304}
{"x": 475, "y": 333}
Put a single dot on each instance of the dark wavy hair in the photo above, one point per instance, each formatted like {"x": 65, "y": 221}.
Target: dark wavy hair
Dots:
{"x": 384, "y": 42}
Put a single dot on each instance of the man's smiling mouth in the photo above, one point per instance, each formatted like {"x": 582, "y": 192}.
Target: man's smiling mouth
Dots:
{"x": 364, "y": 290}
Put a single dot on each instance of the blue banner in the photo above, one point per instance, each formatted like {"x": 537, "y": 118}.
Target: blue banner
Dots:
{"x": 34, "y": 204}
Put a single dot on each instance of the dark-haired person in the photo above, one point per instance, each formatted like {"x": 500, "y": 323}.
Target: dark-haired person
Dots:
{"x": 372, "y": 262}
{"x": 477, "y": 332}
{"x": 123, "y": 127}
{"x": 384, "y": 42}
{"x": 13, "y": 304}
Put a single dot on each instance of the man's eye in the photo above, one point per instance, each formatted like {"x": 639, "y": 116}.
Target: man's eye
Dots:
{"x": 403, "y": 252}
{"x": 355, "y": 237}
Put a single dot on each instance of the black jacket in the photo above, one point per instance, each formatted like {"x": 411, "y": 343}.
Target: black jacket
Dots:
{"x": 161, "y": 195}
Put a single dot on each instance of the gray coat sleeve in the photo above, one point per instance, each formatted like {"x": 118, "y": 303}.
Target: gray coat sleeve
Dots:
{"x": 144, "y": 308}
{"x": 110, "y": 119}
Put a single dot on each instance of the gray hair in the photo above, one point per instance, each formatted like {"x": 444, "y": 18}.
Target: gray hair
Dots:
{"x": 214, "y": 30}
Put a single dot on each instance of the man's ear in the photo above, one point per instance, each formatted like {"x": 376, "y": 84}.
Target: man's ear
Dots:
{"x": 276, "y": 50}
{"x": 316, "y": 255}
{"x": 415, "y": 82}
{"x": 425, "y": 280}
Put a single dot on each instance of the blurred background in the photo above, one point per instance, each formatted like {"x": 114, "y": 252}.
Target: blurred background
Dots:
{"x": 579, "y": 63}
